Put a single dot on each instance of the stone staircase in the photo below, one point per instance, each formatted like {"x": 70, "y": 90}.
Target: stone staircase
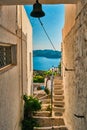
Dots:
{"x": 45, "y": 104}
{"x": 55, "y": 121}
{"x": 58, "y": 97}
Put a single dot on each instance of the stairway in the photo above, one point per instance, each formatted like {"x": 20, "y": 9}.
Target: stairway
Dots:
{"x": 56, "y": 121}
{"x": 58, "y": 97}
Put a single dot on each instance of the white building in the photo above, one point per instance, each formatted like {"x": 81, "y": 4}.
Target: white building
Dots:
{"x": 15, "y": 64}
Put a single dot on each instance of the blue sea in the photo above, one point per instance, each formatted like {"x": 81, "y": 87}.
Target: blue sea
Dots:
{"x": 43, "y": 63}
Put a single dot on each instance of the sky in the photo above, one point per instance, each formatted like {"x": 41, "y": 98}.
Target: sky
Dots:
{"x": 53, "y": 22}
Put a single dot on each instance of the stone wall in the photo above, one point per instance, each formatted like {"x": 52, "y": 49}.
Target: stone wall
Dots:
{"x": 70, "y": 13}
{"x": 75, "y": 70}
{"x": 15, "y": 79}
{"x": 68, "y": 77}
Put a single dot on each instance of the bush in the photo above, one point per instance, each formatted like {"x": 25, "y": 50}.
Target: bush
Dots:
{"x": 31, "y": 105}
{"x": 38, "y": 79}
{"x": 28, "y": 124}
{"x": 48, "y": 73}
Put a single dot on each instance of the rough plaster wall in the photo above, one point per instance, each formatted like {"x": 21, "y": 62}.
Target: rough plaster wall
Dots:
{"x": 7, "y": 18}
{"x": 70, "y": 12}
{"x": 9, "y": 100}
{"x": 68, "y": 78}
{"x": 81, "y": 65}
{"x": 12, "y": 82}
{"x": 10, "y": 91}
{"x": 75, "y": 82}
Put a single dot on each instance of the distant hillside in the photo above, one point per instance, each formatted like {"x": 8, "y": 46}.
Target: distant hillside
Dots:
{"x": 47, "y": 53}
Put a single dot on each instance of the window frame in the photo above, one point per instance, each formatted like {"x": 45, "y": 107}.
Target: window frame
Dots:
{"x": 13, "y": 56}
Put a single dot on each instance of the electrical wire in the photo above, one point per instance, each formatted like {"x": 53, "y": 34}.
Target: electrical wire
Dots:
{"x": 46, "y": 34}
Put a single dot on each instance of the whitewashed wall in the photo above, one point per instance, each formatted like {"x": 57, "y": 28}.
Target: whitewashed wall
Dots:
{"x": 15, "y": 80}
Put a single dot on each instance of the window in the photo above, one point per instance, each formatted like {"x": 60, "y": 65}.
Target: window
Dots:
{"x": 7, "y": 55}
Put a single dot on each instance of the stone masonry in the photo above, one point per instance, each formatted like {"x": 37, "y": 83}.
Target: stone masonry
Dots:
{"x": 75, "y": 70}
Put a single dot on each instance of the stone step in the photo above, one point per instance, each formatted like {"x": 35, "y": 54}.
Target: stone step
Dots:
{"x": 59, "y": 109}
{"x": 58, "y": 92}
{"x": 58, "y": 83}
{"x": 50, "y": 121}
{"x": 58, "y": 80}
{"x": 43, "y": 128}
{"x": 57, "y": 87}
{"x": 43, "y": 113}
{"x": 57, "y": 114}
{"x": 51, "y": 128}
{"x": 40, "y": 95}
{"x": 44, "y": 107}
{"x": 44, "y": 97}
{"x": 58, "y": 77}
{"x": 58, "y": 97}
{"x": 60, "y": 128}
{"x": 58, "y": 103}
{"x": 46, "y": 101}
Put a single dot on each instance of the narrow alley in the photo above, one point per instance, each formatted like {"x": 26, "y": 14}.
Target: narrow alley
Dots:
{"x": 54, "y": 120}
{"x": 69, "y": 102}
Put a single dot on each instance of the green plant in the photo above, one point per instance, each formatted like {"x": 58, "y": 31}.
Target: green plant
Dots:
{"x": 28, "y": 124}
{"x": 31, "y": 105}
{"x": 59, "y": 67}
{"x": 38, "y": 79}
{"x": 48, "y": 73}
{"x": 47, "y": 90}
{"x": 49, "y": 108}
